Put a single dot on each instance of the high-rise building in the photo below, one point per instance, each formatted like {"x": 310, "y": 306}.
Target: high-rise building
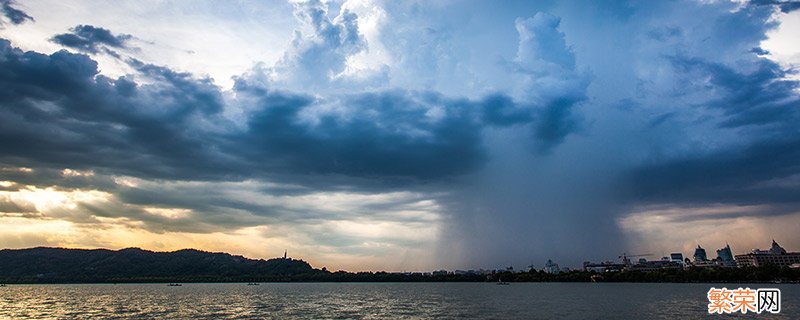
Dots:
{"x": 725, "y": 257}
{"x": 551, "y": 267}
{"x": 776, "y": 248}
{"x": 700, "y": 254}
{"x": 776, "y": 255}
{"x": 676, "y": 257}
{"x": 725, "y": 253}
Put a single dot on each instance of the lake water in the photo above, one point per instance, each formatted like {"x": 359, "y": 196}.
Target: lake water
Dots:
{"x": 374, "y": 301}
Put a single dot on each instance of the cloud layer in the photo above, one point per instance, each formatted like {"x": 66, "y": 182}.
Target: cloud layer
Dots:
{"x": 16, "y": 16}
{"x": 366, "y": 139}
{"x": 90, "y": 39}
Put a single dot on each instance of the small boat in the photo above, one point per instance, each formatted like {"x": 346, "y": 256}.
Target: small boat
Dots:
{"x": 174, "y": 285}
{"x": 596, "y": 278}
{"x": 252, "y": 284}
{"x": 500, "y": 282}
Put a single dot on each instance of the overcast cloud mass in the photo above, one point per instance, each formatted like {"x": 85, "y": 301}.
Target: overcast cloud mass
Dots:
{"x": 389, "y": 135}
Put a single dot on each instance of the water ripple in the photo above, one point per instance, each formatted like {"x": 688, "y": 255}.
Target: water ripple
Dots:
{"x": 367, "y": 301}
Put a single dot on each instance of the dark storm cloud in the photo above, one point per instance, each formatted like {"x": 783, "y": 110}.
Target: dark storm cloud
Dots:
{"x": 761, "y": 97}
{"x": 500, "y": 110}
{"x": 194, "y": 221}
{"x": 180, "y": 91}
{"x": 690, "y": 216}
{"x": 734, "y": 175}
{"x": 760, "y": 169}
{"x": 58, "y": 112}
{"x": 205, "y": 200}
{"x": 555, "y": 122}
{"x": 90, "y": 39}
{"x": 15, "y": 15}
{"x": 759, "y": 51}
{"x": 385, "y": 134}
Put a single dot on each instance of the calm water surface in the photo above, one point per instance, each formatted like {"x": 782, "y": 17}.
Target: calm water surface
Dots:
{"x": 373, "y": 301}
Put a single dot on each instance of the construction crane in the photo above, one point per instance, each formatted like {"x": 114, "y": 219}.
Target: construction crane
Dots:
{"x": 625, "y": 257}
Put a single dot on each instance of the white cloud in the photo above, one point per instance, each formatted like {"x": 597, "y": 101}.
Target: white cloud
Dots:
{"x": 783, "y": 43}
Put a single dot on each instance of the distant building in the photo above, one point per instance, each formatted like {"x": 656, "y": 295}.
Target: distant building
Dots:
{"x": 656, "y": 265}
{"x": 725, "y": 254}
{"x": 551, "y": 267}
{"x": 776, "y": 255}
{"x": 607, "y": 266}
{"x": 700, "y": 254}
{"x": 725, "y": 257}
{"x": 439, "y": 273}
{"x": 776, "y": 248}
{"x": 676, "y": 257}
{"x": 706, "y": 264}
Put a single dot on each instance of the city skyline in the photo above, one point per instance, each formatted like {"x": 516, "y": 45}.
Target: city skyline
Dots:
{"x": 414, "y": 135}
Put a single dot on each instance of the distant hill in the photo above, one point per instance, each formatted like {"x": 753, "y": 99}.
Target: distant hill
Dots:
{"x": 48, "y": 265}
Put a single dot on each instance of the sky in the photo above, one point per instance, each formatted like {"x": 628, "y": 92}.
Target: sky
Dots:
{"x": 401, "y": 135}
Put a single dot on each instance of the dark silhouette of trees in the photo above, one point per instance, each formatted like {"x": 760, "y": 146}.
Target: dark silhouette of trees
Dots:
{"x": 58, "y": 265}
